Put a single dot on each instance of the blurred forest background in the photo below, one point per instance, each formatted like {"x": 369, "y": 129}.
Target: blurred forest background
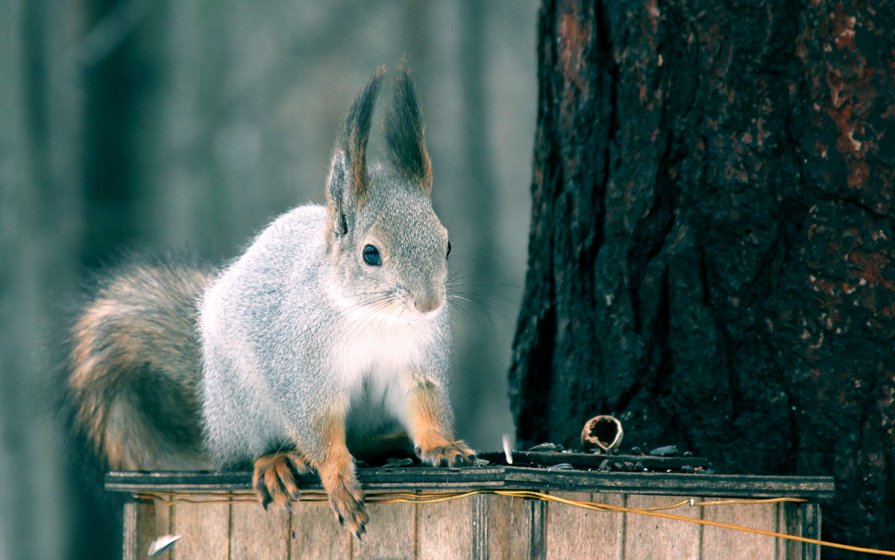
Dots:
{"x": 161, "y": 125}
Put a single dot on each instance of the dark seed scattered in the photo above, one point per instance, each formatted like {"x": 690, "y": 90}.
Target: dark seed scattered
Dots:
{"x": 547, "y": 446}
{"x": 665, "y": 451}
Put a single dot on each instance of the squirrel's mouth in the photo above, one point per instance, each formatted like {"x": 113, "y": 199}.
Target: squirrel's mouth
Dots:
{"x": 395, "y": 312}
{"x": 396, "y": 306}
{"x": 417, "y": 316}
{"x": 406, "y": 313}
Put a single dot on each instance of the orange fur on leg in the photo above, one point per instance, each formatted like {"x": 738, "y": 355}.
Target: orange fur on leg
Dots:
{"x": 336, "y": 470}
{"x": 429, "y": 428}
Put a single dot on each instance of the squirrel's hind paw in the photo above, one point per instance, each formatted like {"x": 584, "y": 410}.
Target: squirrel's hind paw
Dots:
{"x": 274, "y": 477}
{"x": 450, "y": 454}
{"x": 348, "y": 504}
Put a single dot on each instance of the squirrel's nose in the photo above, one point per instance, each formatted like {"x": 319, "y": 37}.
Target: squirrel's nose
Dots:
{"x": 427, "y": 302}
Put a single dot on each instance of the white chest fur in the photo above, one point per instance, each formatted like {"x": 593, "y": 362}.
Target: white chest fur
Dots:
{"x": 381, "y": 350}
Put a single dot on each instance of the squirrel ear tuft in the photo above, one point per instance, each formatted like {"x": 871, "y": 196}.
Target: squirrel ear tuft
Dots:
{"x": 348, "y": 181}
{"x": 335, "y": 193}
{"x": 356, "y": 133}
{"x": 404, "y": 135}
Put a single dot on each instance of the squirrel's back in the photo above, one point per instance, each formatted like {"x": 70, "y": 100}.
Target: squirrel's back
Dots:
{"x": 265, "y": 310}
{"x": 136, "y": 367}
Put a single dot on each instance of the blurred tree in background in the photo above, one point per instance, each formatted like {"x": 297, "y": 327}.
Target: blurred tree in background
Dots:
{"x": 164, "y": 126}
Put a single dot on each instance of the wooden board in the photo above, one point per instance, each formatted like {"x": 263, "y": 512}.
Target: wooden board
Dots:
{"x": 784, "y": 513}
{"x": 654, "y": 538}
{"x": 718, "y": 543}
{"x": 139, "y": 526}
{"x": 164, "y": 526}
{"x": 517, "y": 478}
{"x": 809, "y": 526}
{"x": 579, "y": 533}
{"x": 255, "y": 533}
{"x": 204, "y": 529}
{"x": 315, "y": 533}
{"x": 622, "y": 463}
{"x": 476, "y": 527}
{"x": 391, "y": 533}
{"x": 509, "y": 521}
{"x": 444, "y": 530}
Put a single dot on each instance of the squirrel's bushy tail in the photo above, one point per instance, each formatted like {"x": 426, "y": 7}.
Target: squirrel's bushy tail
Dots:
{"x": 136, "y": 367}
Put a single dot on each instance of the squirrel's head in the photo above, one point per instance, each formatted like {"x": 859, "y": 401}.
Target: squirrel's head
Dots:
{"x": 389, "y": 248}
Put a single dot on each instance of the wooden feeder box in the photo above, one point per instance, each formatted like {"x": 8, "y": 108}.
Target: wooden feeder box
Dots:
{"x": 216, "y": 517}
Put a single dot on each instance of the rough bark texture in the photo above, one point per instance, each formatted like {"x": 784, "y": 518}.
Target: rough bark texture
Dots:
{"x": 712, "y": 239}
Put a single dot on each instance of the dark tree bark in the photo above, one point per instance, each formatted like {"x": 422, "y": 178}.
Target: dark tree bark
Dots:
{"x": 712, "y": 239}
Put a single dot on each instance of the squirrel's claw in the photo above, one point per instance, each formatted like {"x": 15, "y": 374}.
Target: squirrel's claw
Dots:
{"x": 348, "y": 505}
{"x": 449, "y": 454}
{"x": 274, "y": 477}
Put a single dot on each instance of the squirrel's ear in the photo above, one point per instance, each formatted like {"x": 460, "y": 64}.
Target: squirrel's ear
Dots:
{"x": 335, "y": 193}
{"x": 348, "y": 181}
{"x": 404, "y": 135}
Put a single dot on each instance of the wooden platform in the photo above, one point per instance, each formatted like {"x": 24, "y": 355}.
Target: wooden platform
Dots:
{"x": 220, "y": 520}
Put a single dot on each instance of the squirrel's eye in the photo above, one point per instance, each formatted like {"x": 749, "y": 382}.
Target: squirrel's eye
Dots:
{"x": 371, "y": 256}
{"x": 449, "y": 250}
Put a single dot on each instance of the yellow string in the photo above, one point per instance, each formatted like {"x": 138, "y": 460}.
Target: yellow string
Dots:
{"x": 173, "y": 498}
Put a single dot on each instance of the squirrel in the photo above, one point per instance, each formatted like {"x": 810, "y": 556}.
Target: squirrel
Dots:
{"x": 331, "y": 328}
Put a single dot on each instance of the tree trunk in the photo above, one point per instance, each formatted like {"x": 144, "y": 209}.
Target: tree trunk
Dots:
{"x": 712, "y": 239}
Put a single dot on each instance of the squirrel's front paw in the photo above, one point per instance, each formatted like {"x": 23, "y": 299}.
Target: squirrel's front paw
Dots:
{"x": 447, "y": 454}
{"x": 274, "y": 477}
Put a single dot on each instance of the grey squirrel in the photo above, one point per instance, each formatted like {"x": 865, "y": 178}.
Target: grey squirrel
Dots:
{"x": 329, "y": 329}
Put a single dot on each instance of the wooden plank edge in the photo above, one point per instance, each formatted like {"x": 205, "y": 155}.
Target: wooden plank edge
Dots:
{"x": 500, "y": 478}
